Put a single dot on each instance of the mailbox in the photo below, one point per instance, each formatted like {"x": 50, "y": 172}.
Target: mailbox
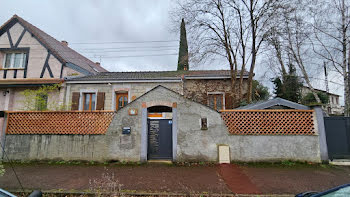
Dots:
{"x": 126, "y": 130}
{"x": 204, "y": 123}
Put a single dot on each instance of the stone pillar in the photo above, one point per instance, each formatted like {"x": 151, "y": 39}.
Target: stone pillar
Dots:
{"x": 321, "y": 133}
{"x": 3, "y": 135}
{"x": 174, "y": 134}
{"x": 143, "y": 155}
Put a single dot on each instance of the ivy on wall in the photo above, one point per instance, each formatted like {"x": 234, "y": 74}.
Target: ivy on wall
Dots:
{"x": 38, "y": 99}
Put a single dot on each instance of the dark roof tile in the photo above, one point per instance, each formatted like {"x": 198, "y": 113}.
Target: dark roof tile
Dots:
{"x": 147, "y": 75}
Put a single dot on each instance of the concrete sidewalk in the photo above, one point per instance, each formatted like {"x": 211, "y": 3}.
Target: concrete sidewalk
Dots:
{"x": 171, "y": 179}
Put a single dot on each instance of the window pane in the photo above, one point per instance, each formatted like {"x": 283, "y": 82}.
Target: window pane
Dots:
{"x": 17, "y": 60}
{"x": 120, "y": 102}
{"x": 93, "y": 101}
{"x": 41, "y": 102}
{"x": 87, "y": 102}
{"x": 8, "y": 60}
{"x": 218, "y": 102}
{"x": 211, "y": 101}
{"x": 23, "y": 60}
{"x": 125, "y": 101}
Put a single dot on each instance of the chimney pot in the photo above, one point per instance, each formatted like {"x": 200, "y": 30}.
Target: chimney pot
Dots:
{"x": 65, "y": 43}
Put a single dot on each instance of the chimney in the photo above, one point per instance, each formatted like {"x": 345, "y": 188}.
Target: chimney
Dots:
{"x": 98, "y": 63}
{"x": 65, "y": 43}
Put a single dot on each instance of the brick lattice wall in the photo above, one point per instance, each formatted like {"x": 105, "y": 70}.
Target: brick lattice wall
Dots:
{"x": 269, "y": 122}
{"x": 63, "y": 122}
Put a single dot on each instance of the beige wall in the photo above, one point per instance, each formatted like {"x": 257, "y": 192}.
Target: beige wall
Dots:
{"x": 134, "y": 89}
{"x": 2, "y": 99}
{"x": 17, "y": 99}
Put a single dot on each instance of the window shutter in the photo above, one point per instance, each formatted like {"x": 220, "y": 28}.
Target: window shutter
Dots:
{"x": 75, "y": 100}
{"x": 100, "y": 101}
{"x": 229, "y": 101}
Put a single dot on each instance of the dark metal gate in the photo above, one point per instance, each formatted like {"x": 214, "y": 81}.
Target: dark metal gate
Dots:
{"x": 338, "y": 137}
{"x": 160, "y": 141}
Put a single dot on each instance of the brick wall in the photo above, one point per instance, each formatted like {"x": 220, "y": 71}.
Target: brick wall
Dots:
{"x": 198, "y": 89}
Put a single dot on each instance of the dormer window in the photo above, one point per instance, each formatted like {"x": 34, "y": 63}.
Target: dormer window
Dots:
{"x": 14, "y": 60}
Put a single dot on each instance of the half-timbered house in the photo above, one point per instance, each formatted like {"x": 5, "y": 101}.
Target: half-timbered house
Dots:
{"x": 30, "y": 58}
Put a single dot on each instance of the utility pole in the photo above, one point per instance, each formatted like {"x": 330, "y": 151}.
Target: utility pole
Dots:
{"x": 347, "y": 107}
{"x": 326, "y": 76}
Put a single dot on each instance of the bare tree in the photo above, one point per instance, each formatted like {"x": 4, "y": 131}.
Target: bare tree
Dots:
{"x": 233, "y": 29}
{"x": 331, "y": 20}
{"x": 278, "y": 51}
{"x": 261, "y": 13}
{"x": 298, "y": 41}
{"x": 290, "y": 40}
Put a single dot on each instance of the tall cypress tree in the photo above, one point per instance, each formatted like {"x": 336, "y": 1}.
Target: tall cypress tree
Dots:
{"x": 182, "y": 63}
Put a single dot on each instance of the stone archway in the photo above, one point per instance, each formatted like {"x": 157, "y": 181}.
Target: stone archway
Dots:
{"x": 144, "y": 129}
{"x": 159, "y": 132}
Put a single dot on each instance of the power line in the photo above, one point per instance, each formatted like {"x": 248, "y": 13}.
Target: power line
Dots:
{"x": 145, "y": 48}
{"x": 127, "y": 47}
{"x": 111, "y": 42}
{"x": 325, "y": 80}
{"x": 115, "y": 50}
{"x": 122, "y": 56}
{"x": 126, "y": 42}
{"x": 139, "y": 55}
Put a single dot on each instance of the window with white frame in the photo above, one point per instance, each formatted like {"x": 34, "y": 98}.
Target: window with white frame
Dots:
{"x": 14, "y": 60}
{"x": 89, "y": 101}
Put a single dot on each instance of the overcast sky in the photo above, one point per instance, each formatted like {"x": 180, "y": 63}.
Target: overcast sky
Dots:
{"x": 130, "y": 35}
{"x": 145, "y": 24}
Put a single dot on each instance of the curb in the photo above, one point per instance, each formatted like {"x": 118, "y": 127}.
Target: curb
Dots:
{"x": 155, "y": 194}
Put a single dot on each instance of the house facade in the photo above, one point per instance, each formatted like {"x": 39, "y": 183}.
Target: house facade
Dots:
{"x": 333, "y": 106}
{"x": 135, "y": 116}
{"x": 113, "y": 90}
{"x": 30, "y": 58}
{"x": 163, "y": 124}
